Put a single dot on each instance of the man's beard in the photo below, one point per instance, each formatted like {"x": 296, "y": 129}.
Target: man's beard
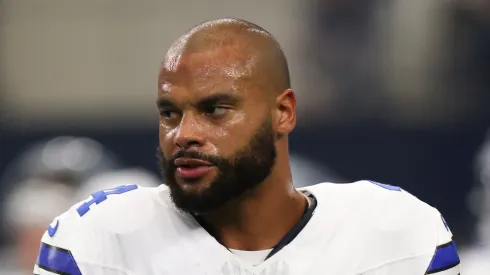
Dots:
{"x": 242, "y": 172}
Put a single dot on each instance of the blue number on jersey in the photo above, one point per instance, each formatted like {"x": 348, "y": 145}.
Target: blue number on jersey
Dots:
{"x": 101, "y": 196}
{"x": 386, "y": 186}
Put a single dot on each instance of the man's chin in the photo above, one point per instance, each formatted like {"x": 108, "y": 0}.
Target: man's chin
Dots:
{"x": 194, "y": 201}
{"x": 194, "y": 185}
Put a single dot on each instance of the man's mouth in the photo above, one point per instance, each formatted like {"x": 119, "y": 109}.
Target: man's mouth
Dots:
{"x": 189, "y": 168}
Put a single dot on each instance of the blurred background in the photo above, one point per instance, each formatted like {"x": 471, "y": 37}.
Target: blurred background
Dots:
{"x": 395, "y": 91}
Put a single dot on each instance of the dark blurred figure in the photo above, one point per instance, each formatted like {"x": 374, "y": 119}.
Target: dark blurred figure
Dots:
{"x": 43, "y": 181}
{"x": 344, "y": 47}
{"x": 68, "y": 157}
{"x": 462, "y": 74}
{"x": 29, "y": 211}
{"x": 476, "y": 258}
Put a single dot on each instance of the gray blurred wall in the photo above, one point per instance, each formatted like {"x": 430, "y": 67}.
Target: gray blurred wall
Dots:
{"x": 68, "y": 63}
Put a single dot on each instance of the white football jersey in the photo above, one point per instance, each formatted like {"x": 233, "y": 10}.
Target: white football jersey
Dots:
{"x": 358, "y": 228}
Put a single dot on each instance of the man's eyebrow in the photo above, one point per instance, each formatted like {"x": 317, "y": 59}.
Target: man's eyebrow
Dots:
{"x": 164, "y": 103}
{"x": 224, "y": 98}
{"x": 220, "y": 98}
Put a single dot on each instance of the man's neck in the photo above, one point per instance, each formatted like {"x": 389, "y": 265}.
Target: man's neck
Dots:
{"x": 260, "y": 219}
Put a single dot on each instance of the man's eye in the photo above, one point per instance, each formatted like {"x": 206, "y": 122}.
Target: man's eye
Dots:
{"x": 169, "y": 114}
{"x": 216, "y": 111}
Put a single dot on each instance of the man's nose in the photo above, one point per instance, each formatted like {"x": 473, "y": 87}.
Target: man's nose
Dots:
{"x": 189, "y": 133}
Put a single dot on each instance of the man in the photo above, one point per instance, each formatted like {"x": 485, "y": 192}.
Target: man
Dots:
{"x": 476, "y": 256}
{"x": 27, "y": 221}
{"x": 228, "y": 205}
{"x": 40, "y": 185}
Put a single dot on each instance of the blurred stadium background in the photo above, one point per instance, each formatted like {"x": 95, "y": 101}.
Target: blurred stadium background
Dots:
{"x": 395, "y": 91}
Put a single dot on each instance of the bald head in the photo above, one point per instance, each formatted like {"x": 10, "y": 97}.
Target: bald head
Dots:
{"x": 245, "y": 46}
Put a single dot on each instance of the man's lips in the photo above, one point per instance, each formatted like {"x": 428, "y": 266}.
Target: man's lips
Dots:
{"x": 190, "y": 162}
{"x": 188, "y": 168}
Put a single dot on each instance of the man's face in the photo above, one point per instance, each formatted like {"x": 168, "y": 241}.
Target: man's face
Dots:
{"x": 216, "y": 136}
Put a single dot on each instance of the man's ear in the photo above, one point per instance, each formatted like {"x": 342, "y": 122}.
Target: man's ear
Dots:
{"x": 285, "y": 112}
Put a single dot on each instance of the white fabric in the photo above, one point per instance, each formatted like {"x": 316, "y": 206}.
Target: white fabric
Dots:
{"x": 357, "y": 228}
{"x": 252, "y": 257}
{"x": 410, "y": 266}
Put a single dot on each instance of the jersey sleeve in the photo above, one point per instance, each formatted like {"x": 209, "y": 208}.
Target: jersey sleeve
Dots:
{"x": 71, "y": 246}
{"x": 443, "y": 261}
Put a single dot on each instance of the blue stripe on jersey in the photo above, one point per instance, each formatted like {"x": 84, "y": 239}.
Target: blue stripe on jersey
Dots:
{"x": 386, "y": 186}
{"x": 445, "y": 224}
{"x": 445, "y": 257}
{"x": 57, "y": 260}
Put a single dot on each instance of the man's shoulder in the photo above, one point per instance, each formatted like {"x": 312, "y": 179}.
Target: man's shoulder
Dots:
{"x": 116, "y": 229}
{"x": 371, "y": 198}
{"x": 108, "y": 227}
{"x": 379, "y": 224}
{"x": 384, "y": 214}
{"x": 111, "y": 211}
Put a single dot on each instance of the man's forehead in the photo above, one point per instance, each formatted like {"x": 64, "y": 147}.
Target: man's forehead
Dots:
{"x": 211, "y": 61}
{"x": 202, "y": 86}
{"x": 204, "y": 72}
